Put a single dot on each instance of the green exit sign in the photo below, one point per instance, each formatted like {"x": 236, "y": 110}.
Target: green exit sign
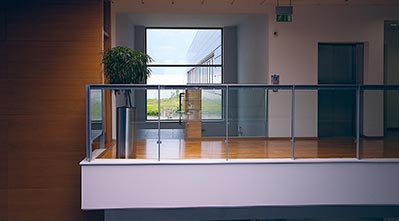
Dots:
{"x": 284, "y": 18}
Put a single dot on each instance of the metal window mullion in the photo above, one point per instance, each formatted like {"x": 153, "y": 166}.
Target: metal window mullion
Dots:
{"x": 183, "y": 65}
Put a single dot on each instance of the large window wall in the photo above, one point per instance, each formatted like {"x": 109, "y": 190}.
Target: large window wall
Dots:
{"x": 183, "y": 56}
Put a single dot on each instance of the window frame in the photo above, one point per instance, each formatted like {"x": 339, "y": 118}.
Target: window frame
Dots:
{"x": 221, "y": 66}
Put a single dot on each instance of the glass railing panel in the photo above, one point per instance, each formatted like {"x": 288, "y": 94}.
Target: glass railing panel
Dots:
{"x": 248, "y": 125}
{"x": 171, "y": 125}
{"x": 145, "y": 143}
{"x": 380, "y": 128}
{"x": 279, "y": 123}
{"x": 189, "y": 116}
{"x": 391, "y": 134}
{"x": 326, "y": 122}
{"x": 306, "y": 122}
{"x": 96, "y": 118}
{"x": 195, "y": 121}
{"x": 130, "y": 139}
{"x": 337, "y": 124}
{"x": 213, "y": 123}
{"x": 96, "y": 105}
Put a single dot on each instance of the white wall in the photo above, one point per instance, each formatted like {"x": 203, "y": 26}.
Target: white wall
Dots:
{"x": 293, "y": 55}
{"x": 252, "y": 50}
{"x": 118, "y": 184}
{"x": 252, "y": 65}
{"x": 124, "y": 31}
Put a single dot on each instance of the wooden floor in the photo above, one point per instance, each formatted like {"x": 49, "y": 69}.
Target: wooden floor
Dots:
{"x": 256, "y": 148}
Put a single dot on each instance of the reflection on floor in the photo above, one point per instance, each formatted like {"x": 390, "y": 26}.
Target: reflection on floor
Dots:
{"x": 166, "y": 133}
{"x": 175, "y": 147}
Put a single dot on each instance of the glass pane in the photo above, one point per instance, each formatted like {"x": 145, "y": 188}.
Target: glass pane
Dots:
{"x": 211, "y": 104}
{"x": 96, "y": 117}
{"x": 141, "y": 135}
{"x": 380, "y": 140}
{"x": 96, "y": 105}
{"x": 170, "y": 104}
{"x": 184, "y": 46}
{"x": 185, "y": 75}
{"x": 211, "y": 100}
{"x": 168, "y": 76}
{"x": 186, "y": 135}
{"x": 204, "y": 75}
{"x": 251, "y": 122}
{"x": 325, "y": 123}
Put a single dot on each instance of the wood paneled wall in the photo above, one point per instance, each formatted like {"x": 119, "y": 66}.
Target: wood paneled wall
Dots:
{"x": 3, "y": 122}
{"x": 49, "y": 50}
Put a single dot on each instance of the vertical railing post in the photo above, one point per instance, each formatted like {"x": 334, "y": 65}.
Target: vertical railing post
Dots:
{"x": 293, "y": 123}
{"x": 266, "y": 112}
{"x": 102, "y": 136}
{"x": 88, "y": 125}
{"x": 358, "y": 122}
{"x": 226, "y": 141}
{"x": 159, "y": 123}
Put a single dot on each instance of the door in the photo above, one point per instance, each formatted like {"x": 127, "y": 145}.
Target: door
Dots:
{"x": 391, "y": 67}
{"x": 338, "y": 64}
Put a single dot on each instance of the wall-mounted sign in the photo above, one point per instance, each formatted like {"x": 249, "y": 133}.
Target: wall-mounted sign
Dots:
{"x": 284, "y": 18}
{"x": 284, "y": 13}
{"x": 275, "y": 79}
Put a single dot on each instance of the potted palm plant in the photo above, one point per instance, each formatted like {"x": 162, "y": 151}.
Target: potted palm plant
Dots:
{"x": 123, "y": 65}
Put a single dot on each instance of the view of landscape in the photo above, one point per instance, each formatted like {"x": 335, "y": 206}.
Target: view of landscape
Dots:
{"x": 175, "y": 53}
{"x": 211, "y": 105}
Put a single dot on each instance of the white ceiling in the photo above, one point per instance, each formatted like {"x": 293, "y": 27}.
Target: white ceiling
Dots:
{"x": 230, "y": 6}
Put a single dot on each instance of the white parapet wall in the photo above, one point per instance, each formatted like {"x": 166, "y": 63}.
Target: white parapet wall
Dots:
{"x": 124, "y": 184}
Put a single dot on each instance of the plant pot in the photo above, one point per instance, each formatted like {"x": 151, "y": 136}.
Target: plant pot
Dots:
{"x": 124, "y": 98}
{"x": 125, "y": 132}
